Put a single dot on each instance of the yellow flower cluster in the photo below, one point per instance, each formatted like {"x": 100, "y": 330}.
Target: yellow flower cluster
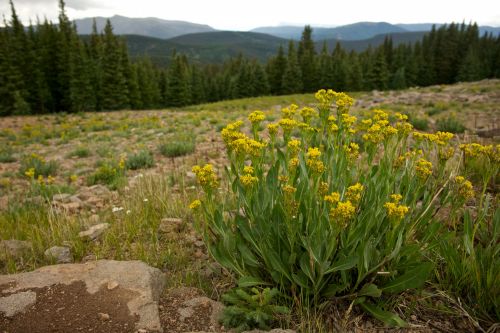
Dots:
{"x": 248, "y": 169}
{"x": 30, "y": 173}
{"x": 248, "y": 180}
{"x": 394, "y": 210}
{"x": 380, "y": 115}
{"x": 294, "y": 146}
{"x": 256, "y": 117}
{"x": 73, "y": 178}
{"x": 325, "y": 97}
{"x": 287, "y": 124}
{"x": 439, "y": 138}
{"x": 294, "y": 162}
{"x": 313, "y": 161}
{"x": 195, "y": 204}
{"x": 272, "y": 128}
{"x": 307, "y": 113}
{"x": 332, "y": 198}
{"x": 379, "y": 131}
{"x": 248, "y": 146}
{"x": 343, "y": 212}
{"x": 323, "y": 188}
{"x": 231, "y": 132}
{"x": 354, "y": 192}
{"x": 423, "y": 168}
{"x": 123, "y": 160}
{"x": 289, "y": 189}
{"x": 446, "y": 153}
{"x": 476, "y": 150}
{"x": 289, "y": 112}
{"x": 465, "y": 188}
{"x": 352, "y": 151}
{"x": 348, "y": 120}
{"x": 206, "y": 176}
{"x": 343, "y": 102}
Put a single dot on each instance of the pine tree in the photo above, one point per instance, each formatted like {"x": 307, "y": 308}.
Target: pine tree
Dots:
{"x": 307, "y": 60}
{"x": 276, "y": 70}
{"x": 325, "y": 69}
{"x": 178, "y": 89}
{"x": 292, "y": 79}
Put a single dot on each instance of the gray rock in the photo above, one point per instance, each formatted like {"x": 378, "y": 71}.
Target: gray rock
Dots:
{"x": 14, "y": 248}
{"x": 16, "y": 303}
{"x": 189, "y": 309}
{"x": 61, "y": 254}
{"x": 146, "y": 284}
{"x": 94, "y": 231}
{"x": 62, "y": 197}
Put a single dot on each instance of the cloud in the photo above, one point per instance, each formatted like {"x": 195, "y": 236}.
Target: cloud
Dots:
{"x": 74, "y": 4}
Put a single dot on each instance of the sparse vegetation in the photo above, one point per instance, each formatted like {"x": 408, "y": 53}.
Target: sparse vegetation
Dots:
{"x": 179, "y": 145}
{"x": 141, "y": 160}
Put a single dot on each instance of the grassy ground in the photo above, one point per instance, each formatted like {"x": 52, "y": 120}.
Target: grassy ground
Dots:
{"x": 131, "y": 169}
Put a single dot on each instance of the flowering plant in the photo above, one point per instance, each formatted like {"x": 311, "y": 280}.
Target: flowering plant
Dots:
{"x": 331, "y": 208}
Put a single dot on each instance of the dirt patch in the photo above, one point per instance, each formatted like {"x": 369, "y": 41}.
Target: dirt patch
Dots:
{"x": 70, "y": 308}
{"x": 174, "y": 318}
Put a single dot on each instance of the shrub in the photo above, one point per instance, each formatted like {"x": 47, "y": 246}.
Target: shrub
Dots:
{"x": 37, "y": 165}
{"x": 141, "y": 160}
{"x": 322, "y": 218}
{"x": 177, "y": 146}
{"x": 109, "y": 173}
{"x": 6, "y": 155}
{"x": 450, "y": 124}
{"x": 80, "y": 152}
{"x": 420, "y": 124}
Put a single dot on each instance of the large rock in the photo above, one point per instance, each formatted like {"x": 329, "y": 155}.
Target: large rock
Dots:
{"x": 14, "y": 248}
{"x": 143, "y": 282}
{"x": 61, "y": 254}
{"x": 16, "y": 303}
{"x": 94, "y": 231}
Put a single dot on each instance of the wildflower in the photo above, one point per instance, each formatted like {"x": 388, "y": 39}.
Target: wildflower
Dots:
{"x": 353, "y": 193}
{"x": 316, "y": 166}
{"x": 145, "y": 199}
{"x": 256, "y": 117}
{"x": 294, "y": 146}
{"x": 380, "y": 115}
{"x": 423, "y": 168}
{"x": 395, "y": 211}
{"x": 325, "y": 97}
{"x": 272, "y": 128}
{"x": 465, "y": 189}
{"x": 396, "y": 198}
{"x": 323, "y": 188}
{"x": 195, "y": 204}
{"x": 313, "y": 153}
{"x": 50, "y": 179}
{"x": 40, "y": 180}
{"x": 30, "y": 173}
{"x": 206, "y": 176}
{"x": 334, "y": 128}
{"x": 332, "y": 198}
{"x": 348, "y": 120}
{"x": 352, "y": 151}
{"x": 248, "y": 180}
{"x": 343, "y": 212}
{"x": 289, "y": 112}
{"x": 289, "y": 189}
{"x": 287, "y": 124}
{"x": 116, "y": 209}
{"x": 283, "y": 179}
{"x": 307, "y": 113}
{"x": 294, "y": 162}
{"x": 248, "y": 169}
{"x": 343, "y": 102}
{"x": 401, "y": 117}
{"x": 121, "y": 164}
{"x": 446, "y": 154}
{"x": 73, "y": 178}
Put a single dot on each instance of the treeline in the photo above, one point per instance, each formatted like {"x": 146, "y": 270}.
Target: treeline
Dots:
{"x": 49, "y": 68}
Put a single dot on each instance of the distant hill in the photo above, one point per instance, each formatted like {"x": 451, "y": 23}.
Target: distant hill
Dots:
{"x": 151, "y": 27}
{"x": 208, "y": 47}
{"x": 355, "y": 31}
{"x": 215, "y": 47}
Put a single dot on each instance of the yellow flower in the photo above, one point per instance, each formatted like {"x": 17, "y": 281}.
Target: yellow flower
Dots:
{"x": 289, "y": 112}
{"x": 343, "y": 212}
{"x": 195, "y": 204}
{"x": 343, "y": 102}
{"x": 123, "y": 159}
{"x": 73, "y": 178}
{"x": 395, "y": 211}
{"x": 248, "y": 180}
{"x": 352, "y": 151}
{"x": 248, "y": 169}
{"x": 322, "y": 188}
{"x": 206, "y": 176}
{"x": 256, "y": 117}
{"x": 380, "y": 115}
{"x": 30, "y": 173}
{"x": 294, "y": 146}
{"x": 325, "y": 97}
{"x": 313, "y": 153}
{"x": 315, "y": 165}
{"x": 289, "y": 189}
{"x": 287, "y": 124}
{"x": 40, "y": 180}
{"x": 401, "y": 117}
{"x": 465, "y": 188}
{"x": 348, "y": 120}
{"x": 396, "y": 198}
{"x": 353, "y": 193}
{"x": 294, "y": 162}
{"x": 423, "y": 168}
{"x": 50, "y": 179}
{"x": 283, "y": 179}
{"x": 332, "y": 198}
{"x": 446, "y": 154}
{"x": 334, "y": 128}
{"x": 272, "y": 128}
{"x": 307, "y": 113}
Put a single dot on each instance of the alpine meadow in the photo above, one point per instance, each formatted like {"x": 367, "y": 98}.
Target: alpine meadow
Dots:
{"x": 167, "y": 176}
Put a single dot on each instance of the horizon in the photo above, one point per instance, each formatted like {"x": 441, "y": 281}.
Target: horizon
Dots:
{"x": 261, "y": 14}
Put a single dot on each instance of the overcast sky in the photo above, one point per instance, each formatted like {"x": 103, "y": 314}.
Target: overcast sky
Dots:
{"x": 248, "y": 14}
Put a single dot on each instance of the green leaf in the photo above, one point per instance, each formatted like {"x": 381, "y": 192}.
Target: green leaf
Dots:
{"x": 412, "y": 278}
{"x": 370, "y": 289}
{"x": 387, "y": 317}
{"x": 343, "y": 264}
{"x": 251, "y": 281}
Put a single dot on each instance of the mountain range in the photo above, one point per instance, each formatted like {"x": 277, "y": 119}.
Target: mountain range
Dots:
{"x": 158, "y": 38}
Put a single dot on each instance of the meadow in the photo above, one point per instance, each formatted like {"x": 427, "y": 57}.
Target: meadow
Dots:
{"x": 62, "y": 174}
